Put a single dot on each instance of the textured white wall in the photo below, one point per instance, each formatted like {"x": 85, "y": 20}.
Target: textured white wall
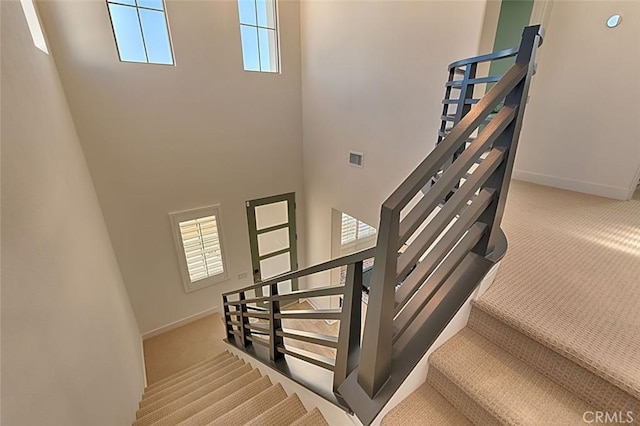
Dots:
{"x": 160, "y": 139}
{"x": 71, "y": 350}
{"x": 373, "y": 80}
{"x": 582, "y": 126}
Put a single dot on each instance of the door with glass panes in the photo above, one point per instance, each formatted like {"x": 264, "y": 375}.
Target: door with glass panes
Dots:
{"x": 273, "y": 238}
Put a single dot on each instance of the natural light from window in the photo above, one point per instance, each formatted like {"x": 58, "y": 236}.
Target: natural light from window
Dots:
{"x": 33, "y": 23}
{"x": 141, "y": 31}
{"x": 259, "y": 35}
{"x": 354, "y": 230}
{"x": 198, "y": 238}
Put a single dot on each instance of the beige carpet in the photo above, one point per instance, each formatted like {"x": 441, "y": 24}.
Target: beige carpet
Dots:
{"x": 571, "y": 278}
{"x": 231, "y": 393}
{"x": 177, "y": 349}
{"x": 558, "y": 332}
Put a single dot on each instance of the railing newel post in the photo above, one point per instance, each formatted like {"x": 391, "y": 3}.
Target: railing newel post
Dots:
{"x": 275, "y": 324}
{"x": 244, "y": 322}
{"x": 348, "y": 350}
{"x": 227, "y": 317}
{"x": 376, "y": 350}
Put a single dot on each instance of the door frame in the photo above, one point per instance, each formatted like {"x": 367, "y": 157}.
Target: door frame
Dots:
{"x": 251, "y": 205}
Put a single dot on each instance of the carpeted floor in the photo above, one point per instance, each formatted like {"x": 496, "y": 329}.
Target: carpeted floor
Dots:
{"x": 177, "y": 349}
{"x": 571, "y": 278}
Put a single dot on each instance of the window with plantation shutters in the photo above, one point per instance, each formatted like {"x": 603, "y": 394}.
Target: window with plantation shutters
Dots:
{"x": 354, "y": 230}
{"x": 199, "y": 245}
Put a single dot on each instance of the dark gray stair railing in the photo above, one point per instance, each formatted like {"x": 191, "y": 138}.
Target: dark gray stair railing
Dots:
{"x": 469, "y": 202}
{"x": 239, "y": 307}
{"x": 423, "y": 270}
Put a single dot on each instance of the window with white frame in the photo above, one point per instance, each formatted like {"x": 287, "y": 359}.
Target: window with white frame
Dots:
{"x": 259, "y": 35}
{"x": 354, "y": 230}
{"x": 141, "y": 31}
{"x": 198, "y": 239}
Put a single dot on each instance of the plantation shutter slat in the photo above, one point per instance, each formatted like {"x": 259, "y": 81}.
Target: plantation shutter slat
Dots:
{"x": 201, "y": 245}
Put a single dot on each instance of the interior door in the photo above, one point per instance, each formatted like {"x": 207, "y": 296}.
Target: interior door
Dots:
{"x": 273, "y": 238}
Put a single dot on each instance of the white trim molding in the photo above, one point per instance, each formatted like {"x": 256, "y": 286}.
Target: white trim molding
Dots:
{"x": 181, "y": 322}
{"x": 592, "y": 188}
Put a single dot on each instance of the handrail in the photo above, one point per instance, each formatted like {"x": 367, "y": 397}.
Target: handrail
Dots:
{"x": 423, "y": 272}
{"x": 460, "y": 132}
{"x": 492, "y": 174}
{"x": 507, "y": 53}
{"x": 320, "y": 267}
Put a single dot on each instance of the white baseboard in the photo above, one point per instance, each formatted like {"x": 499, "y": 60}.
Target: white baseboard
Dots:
{"x": 573, "y": 185}
{"x": 179, "y": 323}
{"x": 144, "y": 363}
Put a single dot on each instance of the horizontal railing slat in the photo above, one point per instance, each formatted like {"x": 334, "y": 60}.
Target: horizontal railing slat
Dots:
{"x": 307, "y": 356}
{"x": 310, "y": 314}
{"x": 325, "y": 266}
{"x": 460, "y": 132}
{"x": 426, "y": 292}
{"x": 454, "y": 172}
{"x": 484, "y": 58}
{"x": 309, "y": 337}
{"x": 479, "y": 80}
{"x": 442, "y": 248}
{"x": 258, "y": 340}
{"x": 452, "y": 207}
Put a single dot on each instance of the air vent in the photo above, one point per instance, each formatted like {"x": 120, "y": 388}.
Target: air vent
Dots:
{"x": 356, "y": 158}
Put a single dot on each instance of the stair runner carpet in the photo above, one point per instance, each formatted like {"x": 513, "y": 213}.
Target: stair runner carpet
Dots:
{"x": 556, "y": 339}
{"x": 222, "y": 390}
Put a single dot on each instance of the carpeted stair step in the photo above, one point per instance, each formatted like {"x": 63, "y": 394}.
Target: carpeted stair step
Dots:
{"x": 312, "y": 418}
{"x": 199, "y": 389}
{"x": 597, "y": 392}
{"x": 220, "y": 369}
{"x": 425, "y": 406}
{"x": 193, "y": 403}
{"x": 249, "y": 409}
{"x": 197, "y": 372}
{"x": 186, "y": 370}
{"x": 491, "y": 387}
{"x": 207, "y": 409}
{"x": 282, "y": 414}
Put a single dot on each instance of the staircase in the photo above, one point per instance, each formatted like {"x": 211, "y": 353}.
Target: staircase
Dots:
{"x": 439, "y": 236}
{"x": 222, "y": 390}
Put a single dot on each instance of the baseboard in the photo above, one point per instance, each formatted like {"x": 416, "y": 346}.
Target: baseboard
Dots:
{"x": 179, "y": 323}
{"x": 144, "y": 363}
{"x": 573, "y": 185}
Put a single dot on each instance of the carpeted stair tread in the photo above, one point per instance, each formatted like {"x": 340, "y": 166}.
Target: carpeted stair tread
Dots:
{"x": 312, "y": 418}
{"x": 569, "y": 279}
{"x": 251, "y": 408}
{"x": 219, "y": 370}
{"x": 597, "y": 392}
{"x": 282, "y": 414}
{"x": 186, "y": 370}
{"x": 197, "y": 372}
{"x": 506, "y": 388}
{"x": 207, "y": 409}
{"x": 425, "y": 406}
{"x": 194, "y": 402}
{"x": 199, "y": 389}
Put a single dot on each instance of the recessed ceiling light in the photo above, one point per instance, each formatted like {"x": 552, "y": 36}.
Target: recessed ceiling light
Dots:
{"x": 614, "y": 21}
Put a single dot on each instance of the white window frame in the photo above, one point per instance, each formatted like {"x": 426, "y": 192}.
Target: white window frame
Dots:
{"x": 176, "y": 218}
{"x": 359, "y": 243}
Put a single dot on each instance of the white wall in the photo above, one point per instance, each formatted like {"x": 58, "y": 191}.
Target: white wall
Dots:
{"x": 71, "y": 350}
{"x": 373, "y": 79}
{"x": 160, "y": 139}
{"x": 582, "y": 126}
